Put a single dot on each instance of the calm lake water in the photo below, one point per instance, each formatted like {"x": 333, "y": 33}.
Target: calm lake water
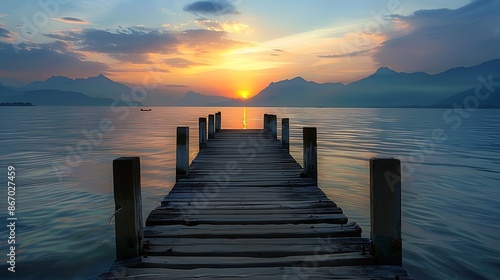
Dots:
{"x": 64, "y": 200}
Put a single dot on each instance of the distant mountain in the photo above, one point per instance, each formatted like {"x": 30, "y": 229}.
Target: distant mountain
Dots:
{"x": 52, "y": 97}
{"x": 7, "y": 91}
{"x": 483, "y": 98}
{"x": 384, "y": 88}
{"x": 196, "y": 99}
{"x": 100, "y": 86}
{"x": 294, "y": 92}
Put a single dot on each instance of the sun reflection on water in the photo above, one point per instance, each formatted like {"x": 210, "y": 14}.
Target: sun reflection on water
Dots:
{"x": 244, "y": 118}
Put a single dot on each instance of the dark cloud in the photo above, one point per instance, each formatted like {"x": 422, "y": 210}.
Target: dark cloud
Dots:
{"x": 211, "y": 8}
{"x": 129, "y": 41}
{"x": 133, "y": 44}
{"x": 340, "y": 55}
{"x": 39, "y": 61}
{"x": 130, "y": 44}
{"x": 4, "y": 33}
{"x": 71, "y": 20}
{"x": 181, "y": 63}
{"x": 441, "y": 39}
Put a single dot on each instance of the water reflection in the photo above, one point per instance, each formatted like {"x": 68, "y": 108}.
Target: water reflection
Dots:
{"x": 244, "y": 118}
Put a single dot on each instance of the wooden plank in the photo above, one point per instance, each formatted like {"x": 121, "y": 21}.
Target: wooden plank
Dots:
{"x": 156, "y": 218}
{"x": 260, "y": 211}
{"x": 350, "y": 229}
{"x": 228, "y": 189}
{"x": 202, "y": 204}
{"x": 192, "y": 262}
{"x": 218, "y": 196}
{"x": 254, "y": 247}
{"x": 297, "y": 272}
{"x": 284, "y": 241}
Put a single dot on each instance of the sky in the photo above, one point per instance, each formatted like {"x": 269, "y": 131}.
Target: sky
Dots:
{"x": 235, "y": 48}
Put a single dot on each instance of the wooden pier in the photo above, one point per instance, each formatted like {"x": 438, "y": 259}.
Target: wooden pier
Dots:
{"x": 245, "y": 209}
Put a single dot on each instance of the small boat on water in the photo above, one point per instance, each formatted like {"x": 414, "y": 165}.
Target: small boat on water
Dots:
{"x": 147, "y": 110}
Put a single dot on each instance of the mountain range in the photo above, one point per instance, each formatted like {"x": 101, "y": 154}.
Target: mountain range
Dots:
{"x": 384, "y": 88}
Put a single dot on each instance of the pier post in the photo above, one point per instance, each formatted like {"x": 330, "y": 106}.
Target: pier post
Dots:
{"x": 285, "y": 134}
{"x": 203, "y": 132}
{"x": 182, "y": 158}
{"x": 211, "y": 127}
{"x": 273, "y": 125}
{"x": 128, "y": 207}
{"x": 310, "y": 153}
{"x": 266, "y": 122}
{"x": 385, "y": 210}
{"x": 217, "y": 121}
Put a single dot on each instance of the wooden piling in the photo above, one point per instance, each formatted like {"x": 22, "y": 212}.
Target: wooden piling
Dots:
{"x": 285, "y": 134}
{"x": 385, "y": 210}
{"x": 128, "y": 207}
{"x": 182, "y": 166}
{"x": 266, "y": 122}
{"x": 203, "y": 132}
{"x": 211, "y": 126}
{"x": 217, "y": 121}
{"x": 310, "y": 153}
{"x": 273, "y": 125}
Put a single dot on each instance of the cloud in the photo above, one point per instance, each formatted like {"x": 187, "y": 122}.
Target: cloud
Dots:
{"x": 40, "y": 61}
{"x": 134, "y": 44}
{"x": 177, "y": 86}
{"x": 71, "y": 20}
{"x": 226, "y": 26}
{"x": 211, "y": 8}
{"x": 130, "y": 44}
{"x": 436, "y": 40}
{"x": 4, "y": 33}
{"x": 181, "y": 63}
{"x": 350, "y": 54}
{"x": 207, "y": 40}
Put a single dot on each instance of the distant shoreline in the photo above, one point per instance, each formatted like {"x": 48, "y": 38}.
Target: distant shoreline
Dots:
{"x": 16, "y": 104}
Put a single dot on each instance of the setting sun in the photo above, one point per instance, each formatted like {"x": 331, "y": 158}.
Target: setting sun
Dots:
{"x": 243, "y": 94}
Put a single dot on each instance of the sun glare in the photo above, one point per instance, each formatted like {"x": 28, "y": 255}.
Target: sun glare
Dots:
{"x": 243, "y": 94}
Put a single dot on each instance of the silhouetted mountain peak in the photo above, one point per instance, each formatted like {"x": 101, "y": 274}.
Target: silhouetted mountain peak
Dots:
{"x": 58, "y": 79}
{"x": 384, "y": 71}
{"x": 298, "y": 79}
{"x": 102, "y": 78}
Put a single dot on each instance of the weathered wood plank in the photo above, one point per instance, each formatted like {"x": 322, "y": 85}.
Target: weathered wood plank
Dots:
{"x": 305, "y": 271}
{"x": 192, "y": 262}
{"x": 257, "y": 211}
{"x": 205, "y": 204}
{"x": 350, "y": 229}
{"x": 156, "y": 218}
{"x": 266, "y": 248}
